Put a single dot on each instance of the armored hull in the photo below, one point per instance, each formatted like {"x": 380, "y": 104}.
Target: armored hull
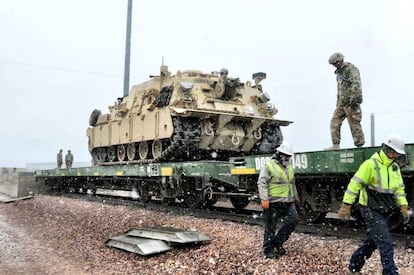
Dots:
{"x": 187, "y": 116}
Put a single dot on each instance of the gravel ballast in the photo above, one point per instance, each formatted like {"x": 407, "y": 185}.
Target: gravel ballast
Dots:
{"x": 56, "y": 235}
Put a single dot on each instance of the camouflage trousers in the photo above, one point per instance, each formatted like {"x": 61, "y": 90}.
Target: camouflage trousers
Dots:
{"x": 354, "y": 115}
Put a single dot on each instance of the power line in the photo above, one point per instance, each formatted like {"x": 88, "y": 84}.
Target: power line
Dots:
{"x": 332, "y": 109}
{"x": 400, "y": 112}
{"x": 61, "y": 69}
{"x": 118, "y": 76}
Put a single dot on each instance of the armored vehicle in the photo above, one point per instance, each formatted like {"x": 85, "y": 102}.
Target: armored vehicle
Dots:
{"x": 187, "y": 116}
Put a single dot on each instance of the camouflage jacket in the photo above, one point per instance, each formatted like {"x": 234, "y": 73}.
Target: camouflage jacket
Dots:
{"x": 349, "y": 85}
{"x": 69, "y": 158}
{"x": 59, "y": 158}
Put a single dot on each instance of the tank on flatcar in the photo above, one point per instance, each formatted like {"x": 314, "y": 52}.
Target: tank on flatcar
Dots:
{"x": 186, "y": 116}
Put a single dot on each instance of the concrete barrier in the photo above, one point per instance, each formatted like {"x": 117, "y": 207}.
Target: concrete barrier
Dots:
{"x": 18, "y": 182}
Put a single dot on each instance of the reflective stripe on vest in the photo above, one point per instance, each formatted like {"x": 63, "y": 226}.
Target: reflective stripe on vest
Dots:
{"x": 379, "y": 188}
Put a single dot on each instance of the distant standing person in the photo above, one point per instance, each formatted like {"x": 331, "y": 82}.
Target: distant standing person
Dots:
{"x": 69, "y": 159}
{"x": 348, "y": 104}
{"x": 59, "y": 159}
{"x": 278, "y": 194}
{"x": 379, "y": 188}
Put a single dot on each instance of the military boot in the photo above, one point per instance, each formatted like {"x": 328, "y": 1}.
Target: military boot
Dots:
{"x": 335, "y": 146}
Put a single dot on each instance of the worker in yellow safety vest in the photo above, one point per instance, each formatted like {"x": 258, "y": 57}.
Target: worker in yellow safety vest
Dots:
{"x": 278, "y": 194}
{"x": 379, "y": 185}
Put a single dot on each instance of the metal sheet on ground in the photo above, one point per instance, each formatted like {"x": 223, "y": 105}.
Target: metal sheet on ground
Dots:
{"x": 142, "y": 246}
{"x": 170, "y": 235}
{"x": 7, "y": 199}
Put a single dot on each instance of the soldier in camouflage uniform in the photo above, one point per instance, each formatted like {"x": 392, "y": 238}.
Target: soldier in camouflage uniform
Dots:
{"x": 348, "y": 103}
{"x": 69, "y": 159}
{"x": 59, "y": 159}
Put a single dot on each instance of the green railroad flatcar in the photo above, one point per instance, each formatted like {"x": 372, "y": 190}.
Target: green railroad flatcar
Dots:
{"x": 321, "y": 178}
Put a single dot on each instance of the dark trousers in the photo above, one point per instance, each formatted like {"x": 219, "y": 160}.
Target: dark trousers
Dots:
{"x": 379, "y": 237}
{"x": 280, "y": 210}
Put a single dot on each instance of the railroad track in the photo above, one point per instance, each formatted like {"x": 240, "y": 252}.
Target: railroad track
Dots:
{"x": 328, "y": 227}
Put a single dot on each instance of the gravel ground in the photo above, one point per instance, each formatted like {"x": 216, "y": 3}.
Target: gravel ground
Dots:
{"x": 54, "y": 235}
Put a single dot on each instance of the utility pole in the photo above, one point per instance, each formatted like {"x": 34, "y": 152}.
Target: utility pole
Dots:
{"x": 127, "y": 49}
{"x": 372, "y": 130}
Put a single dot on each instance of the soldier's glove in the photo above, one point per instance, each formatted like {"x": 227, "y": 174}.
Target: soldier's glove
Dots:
{"x": 344, "y": 213}
{"x": 404, "y": 213}
{"x": 265, "y": 204}
{"x": 355, "y": 100}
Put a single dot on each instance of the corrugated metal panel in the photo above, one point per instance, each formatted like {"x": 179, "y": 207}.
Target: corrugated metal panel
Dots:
{"x": 154, "y": 240}
{"x": 169, "y": 234}
{"x": 142, "y": 246}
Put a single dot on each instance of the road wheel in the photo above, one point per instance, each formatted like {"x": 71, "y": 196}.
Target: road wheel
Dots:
{"x": 143, "y": 150}
{"x": 112, "y": 153}
{"x": 156, "y": 149}
{"x": 131, "y": 151}
{"x": 121, "y": 152}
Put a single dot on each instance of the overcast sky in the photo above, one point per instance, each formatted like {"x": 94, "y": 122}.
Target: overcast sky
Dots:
{"x": 59, "y": 60}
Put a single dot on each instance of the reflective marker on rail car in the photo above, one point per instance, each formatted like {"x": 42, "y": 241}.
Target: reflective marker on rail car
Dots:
{"x": 243, "y": 171}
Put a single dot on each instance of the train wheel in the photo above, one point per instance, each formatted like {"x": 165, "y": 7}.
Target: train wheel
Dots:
{"x": 112, "y": 153}
{"x": 312, "y": 215}
{"x": 239, "y": 202}
{"x": 144, "y": 197}
{"x": 168, "y": 201}
{"x": 193, "y": 200}
{"x": 192, "y": 197}
{"x": 121, "y": 152}
{"x": 210, "y": 202}
{"x": 156, "y": 149}
{"x": 63, "y": 187}
{"x": 143, "y": 194}
{"x": 131, "y": 151}
{"x": 143, "y": 150}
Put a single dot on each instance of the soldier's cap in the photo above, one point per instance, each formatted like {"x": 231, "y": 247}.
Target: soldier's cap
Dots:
{"x": 335, "y": 57}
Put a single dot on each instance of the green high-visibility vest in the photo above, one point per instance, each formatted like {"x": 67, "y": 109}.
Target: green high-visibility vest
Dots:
{"x": 281, "y": 183}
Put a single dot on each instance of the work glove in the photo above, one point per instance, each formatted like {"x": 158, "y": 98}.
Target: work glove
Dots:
{"x": 353, "y": 102}
{"x": 404, "y": 213}
{"x": 344, "y": 213}
{"x": 265, "y": 204}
